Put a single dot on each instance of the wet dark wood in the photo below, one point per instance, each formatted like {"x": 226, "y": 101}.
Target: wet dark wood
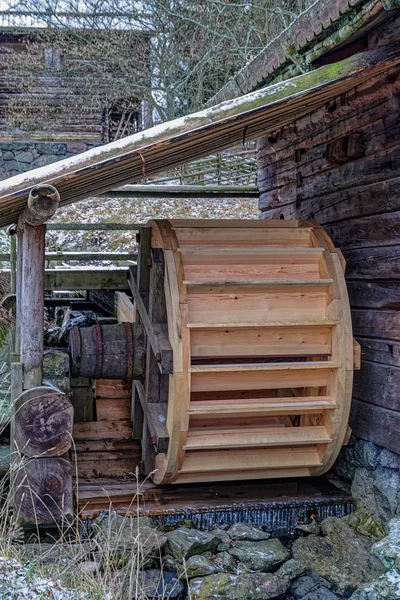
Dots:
{"x": 83, "y": 402}
{"x": 195, "y": 499}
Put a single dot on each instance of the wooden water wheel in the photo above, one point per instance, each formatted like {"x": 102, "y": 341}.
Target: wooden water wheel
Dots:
{"x": 257, "y": 317}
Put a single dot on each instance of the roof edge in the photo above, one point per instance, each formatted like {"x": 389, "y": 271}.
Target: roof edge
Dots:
{"x": 284, "y": 57}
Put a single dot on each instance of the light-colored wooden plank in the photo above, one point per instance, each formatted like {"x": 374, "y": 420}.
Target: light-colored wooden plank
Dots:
{"x": 113, "y": 409}
{"x": 260, "y": 379}
{"x": 255, "y": 438}
{"x": 103, "y": 430}
{"x": 125, "y": 308}
{"x": 244, "y": 237}
{"x": 230, "y": 460}
{"x": 242, "y": 475}
{"x": 261, "y": 324}
{"x": 279, "y": 366}
{"x": 247, "y": 263}
{"x": 279, "y": 285}
{"x": 233, "y": 223}
{"x": 261, "y": 341}
{"x": 260, "y": 406}
{"x": 216, "y": 304}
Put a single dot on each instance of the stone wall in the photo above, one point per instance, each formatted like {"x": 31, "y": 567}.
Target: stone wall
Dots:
{"x": 18, "y": 157}
{"x": 374, "y": 473}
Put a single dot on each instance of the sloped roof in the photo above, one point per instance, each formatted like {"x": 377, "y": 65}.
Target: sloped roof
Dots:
{"x": 172, "y": 144}
{"x": 324, "y": 26}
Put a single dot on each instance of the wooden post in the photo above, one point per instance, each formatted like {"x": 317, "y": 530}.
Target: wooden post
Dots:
{"x": 32, "y": 304}
{"x": 18, "y": 295}
{"x": 42, "y": 203}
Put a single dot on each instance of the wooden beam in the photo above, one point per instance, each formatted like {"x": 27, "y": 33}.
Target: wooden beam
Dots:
{"x": 93, "y": 226}
{"x": 87, "y": 278}
{"x": 183, "y": 191}
{"x": 156, "y": 418}
{"x": 159, "y": 342}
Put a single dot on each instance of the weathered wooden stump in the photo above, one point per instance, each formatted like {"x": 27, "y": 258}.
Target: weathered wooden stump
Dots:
{"x": 43, "y": 422}
{"x": 43, "y": 491}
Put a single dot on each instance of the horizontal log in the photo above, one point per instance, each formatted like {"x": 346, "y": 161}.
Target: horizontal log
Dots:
{"x": 376, "y": 230}
{"x": 66, "y": 256}
{"x": 374, "y": 263}
{"x": 381, "y": 324}
{"x": 380, "y": 351}
{"x": 93, "y": 278}
{"x": 374, "y": 294}
{"x": 338, "y": 205}
{"x": 375, "y": 424}
{"x": 183, "y": 191}
{"x": 378, "y": 384}
{"x": 93, "y": 226}
{"x": 310, "y": 155}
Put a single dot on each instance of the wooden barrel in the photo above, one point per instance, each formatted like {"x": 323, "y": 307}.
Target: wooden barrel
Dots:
{"x": 106, "y": 351}
{"x": 260, "y": 329}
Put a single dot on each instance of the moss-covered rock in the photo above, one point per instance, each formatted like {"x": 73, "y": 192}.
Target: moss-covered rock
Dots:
{"x": 198, "y": 566}
{"x": 56, "y": 369}
{"x": 247, "y": 531}
{"x": 290, "y": 570}
{"x": 342, "y": 557}
{"x": 263, "y": 555}
{"x": 225, "y": 561}
{"x": 388, "y": 549}
{"x": 184, "y": 542}
{"x": 365, "y": 524}
{"x": 251, "y": 586}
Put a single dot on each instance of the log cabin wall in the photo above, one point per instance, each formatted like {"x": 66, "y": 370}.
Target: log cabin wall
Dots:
{"x": 341, "y": 166}
{"x": 25, "y": 149}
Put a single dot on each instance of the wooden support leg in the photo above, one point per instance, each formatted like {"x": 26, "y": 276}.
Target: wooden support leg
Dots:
{"x": 18, "y": 296}
{"x": 32, "y": 304}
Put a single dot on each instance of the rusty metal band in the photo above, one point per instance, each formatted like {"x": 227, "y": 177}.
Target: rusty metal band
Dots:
{"x": 129, "y": 350}
{"x": 76, "y": 350}
{"x": 98, "y": 344}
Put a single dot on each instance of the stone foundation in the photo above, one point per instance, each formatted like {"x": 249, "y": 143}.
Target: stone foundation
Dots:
{"x": 18, "y": 157}
{"x": 374, "y": 473}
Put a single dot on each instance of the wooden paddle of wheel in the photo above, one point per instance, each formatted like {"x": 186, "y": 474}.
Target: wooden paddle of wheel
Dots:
{"x": 249, "y": 349}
